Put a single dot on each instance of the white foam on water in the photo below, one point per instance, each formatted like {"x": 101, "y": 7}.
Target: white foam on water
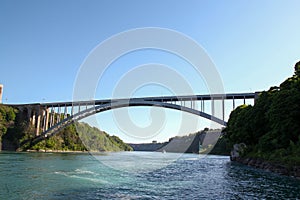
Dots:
{"x": 80, "y": 171}
{"x": 191, "y": 159}
{"x": 95, "y": 180}
{"x": 77, "y": 174}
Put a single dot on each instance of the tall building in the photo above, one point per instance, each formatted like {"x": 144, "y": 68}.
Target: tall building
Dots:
{"x": 1, "y": 92}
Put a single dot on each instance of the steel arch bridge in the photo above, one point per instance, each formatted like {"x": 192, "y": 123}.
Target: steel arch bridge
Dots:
{"x": 49, "y": 118}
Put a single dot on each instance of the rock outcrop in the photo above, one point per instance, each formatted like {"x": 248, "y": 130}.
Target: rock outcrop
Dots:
{"x": 262, "y": 164}
{"x": 269, "y": 166}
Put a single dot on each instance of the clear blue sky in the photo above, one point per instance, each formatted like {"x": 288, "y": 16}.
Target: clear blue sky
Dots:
{"x": 254, "y": 44}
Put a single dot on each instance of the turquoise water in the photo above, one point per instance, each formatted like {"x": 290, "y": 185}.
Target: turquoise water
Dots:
{"x": 118, "y": 176}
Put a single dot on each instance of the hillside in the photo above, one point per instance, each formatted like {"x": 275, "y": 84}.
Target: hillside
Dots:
{"x": 14, "y": 130}
{"x": 270, "y": 129}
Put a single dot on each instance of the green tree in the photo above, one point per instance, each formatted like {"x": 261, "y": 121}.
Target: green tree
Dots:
{"x": 270, "y": 128}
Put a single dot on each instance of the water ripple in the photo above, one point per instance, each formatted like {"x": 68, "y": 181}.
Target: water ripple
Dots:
{"x": 72, "y": 176}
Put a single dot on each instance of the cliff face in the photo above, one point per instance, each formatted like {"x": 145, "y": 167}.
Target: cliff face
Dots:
{"x": 185, "y": 144}
{"x": 200, "y": 142}
{"x": 147, "y": 146}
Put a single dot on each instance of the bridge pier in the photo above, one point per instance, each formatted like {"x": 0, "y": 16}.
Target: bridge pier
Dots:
{"x": 38, "y": 118}
{"x": 47, "y": 119}
{"x": 38, "y": 122}
{"x": 58, "y": 115}
{"x": 52, "y": 117}
{"x": 33, "y": 117}
{"x": 29, "y": 114}
{"x": 43, "y": 119}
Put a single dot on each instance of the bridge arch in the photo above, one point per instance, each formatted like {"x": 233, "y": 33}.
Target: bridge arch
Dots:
{"x": 120, "y": 104}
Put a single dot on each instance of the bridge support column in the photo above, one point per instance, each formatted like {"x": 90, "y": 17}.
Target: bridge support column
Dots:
{"x": 47, "y": 119}
{"x": 33, "y": 117}
{"x": 223, "y": 109}
{"x": 72, "y": 110}
{"x": 29, "y": 114}
{"x": 52, "y": 117}
{"x": 201, "y": 106}
{"x": 38, "y": 122}
{"x": 65, "y": 112}
{"x": 58, "y": 115}
{"x": 212, "y": 107}
{"x": 43, "y": 119}
{"x": 233, "y": 103}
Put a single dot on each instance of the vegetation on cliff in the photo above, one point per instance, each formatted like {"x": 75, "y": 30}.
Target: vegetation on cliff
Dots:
{"x": 270, "y": 129}
{"x": 15, "y": 132}
{"x": 83, "y": 137}
{"x": 7, "y": 118}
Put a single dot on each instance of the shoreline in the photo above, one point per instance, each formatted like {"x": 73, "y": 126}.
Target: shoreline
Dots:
{"x": 100, "y": 152}
{"x": 54, "y": 151}
{"x": 57, "y": 151}
{"x": 293, "y": 172}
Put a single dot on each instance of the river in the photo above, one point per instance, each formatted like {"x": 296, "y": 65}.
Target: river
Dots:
{"x": 136, "y": 175}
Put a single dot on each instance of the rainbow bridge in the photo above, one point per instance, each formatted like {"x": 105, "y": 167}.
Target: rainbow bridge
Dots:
{"x": 49, "y": 118}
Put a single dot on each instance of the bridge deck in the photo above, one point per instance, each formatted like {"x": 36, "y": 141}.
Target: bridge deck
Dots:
{"x": 206, "y": 97}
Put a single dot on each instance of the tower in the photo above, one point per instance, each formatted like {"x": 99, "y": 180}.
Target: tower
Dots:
{"x": 1, "y": 92}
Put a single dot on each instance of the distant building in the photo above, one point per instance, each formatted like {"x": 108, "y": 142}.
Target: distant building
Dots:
{"x": 1, "y": 92}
